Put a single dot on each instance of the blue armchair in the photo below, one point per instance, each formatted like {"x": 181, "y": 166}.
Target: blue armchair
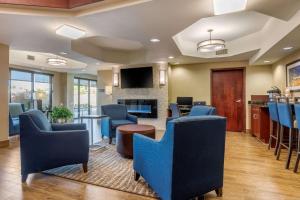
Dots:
{"x": 45, "y": 146}
{"x": 15, "y": 109}
{"x": 117, "y": 116}
{"x": 187, "y": 162}
{"x": 202, "y": 110}
{"x": 198, "y": 110}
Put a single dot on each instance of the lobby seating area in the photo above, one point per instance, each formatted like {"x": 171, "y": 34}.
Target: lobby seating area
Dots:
{"x": 150, "y": 99}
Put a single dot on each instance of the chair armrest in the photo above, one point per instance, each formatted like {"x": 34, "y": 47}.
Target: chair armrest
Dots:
{"x": 64, "y": 141}
{"x": 132, "y": 118}
{"x": 170, "y": 119}
{"x": 143, "y": 148}
{"x": 62, "y": 127}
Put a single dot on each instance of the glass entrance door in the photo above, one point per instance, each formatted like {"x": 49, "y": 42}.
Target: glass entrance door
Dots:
{"x": 85, "y": 97}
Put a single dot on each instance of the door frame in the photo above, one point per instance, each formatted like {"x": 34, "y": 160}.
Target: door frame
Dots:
{"x": 243, "y": 69}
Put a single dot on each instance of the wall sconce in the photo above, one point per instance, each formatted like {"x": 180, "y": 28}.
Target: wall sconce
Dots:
{"x": 162, "y": 77}
{"x": 108, "y": 90}
{"x": 116, "y": 79}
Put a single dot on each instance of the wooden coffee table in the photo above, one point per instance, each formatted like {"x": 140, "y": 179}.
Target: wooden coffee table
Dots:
{"x": 125, "y": 133}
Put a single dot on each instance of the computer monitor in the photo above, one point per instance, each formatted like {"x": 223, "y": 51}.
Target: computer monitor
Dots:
{"x": 185, "y": 101}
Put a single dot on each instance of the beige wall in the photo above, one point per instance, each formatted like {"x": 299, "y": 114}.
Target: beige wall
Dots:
{"x": 194, "y": 80}
{"x": 4, "y": 77}
{"x": 279, "y": 70}
{"x": 104, "y": 78}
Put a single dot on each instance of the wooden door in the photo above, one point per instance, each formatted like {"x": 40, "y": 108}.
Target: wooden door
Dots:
{"x": 227, "y": 95}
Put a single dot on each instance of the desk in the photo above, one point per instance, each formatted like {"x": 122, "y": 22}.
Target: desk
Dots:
{"x": 92, "y": 118}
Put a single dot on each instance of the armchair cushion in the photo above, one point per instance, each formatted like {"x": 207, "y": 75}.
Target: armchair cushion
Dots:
{"x": 40, "y": 120}
{"x": 116, "y": 123}
{"x": 202, "y": 110}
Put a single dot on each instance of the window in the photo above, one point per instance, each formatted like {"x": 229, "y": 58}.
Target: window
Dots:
{"x": 31, "y": 88}
{"x": 85, "y": 97}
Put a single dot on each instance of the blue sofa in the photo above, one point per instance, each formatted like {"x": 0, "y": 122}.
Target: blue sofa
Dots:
{"x": 15, "y": 109}
{"x": 45, "y": 146}
{"x": 187, "y": 162}
{"x": 198, "y": 110}
{"x": 117, "y": 116}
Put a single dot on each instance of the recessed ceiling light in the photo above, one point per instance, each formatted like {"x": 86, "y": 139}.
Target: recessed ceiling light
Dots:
{"x": 229, "y": 6}
{"x": 267, "y": 61}
{"x": 63, "y": 53}
{"x": 171, "y": 57}
{"x": 154, "y": 40}
{"x": 70, "y": 32}
{"x": 287, "y": 48}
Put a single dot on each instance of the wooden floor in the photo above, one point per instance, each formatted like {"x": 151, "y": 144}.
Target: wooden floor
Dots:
{"x": 251, "y": 173}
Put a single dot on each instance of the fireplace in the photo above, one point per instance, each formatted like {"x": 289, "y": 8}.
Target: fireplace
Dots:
{"x": 142, "y": 108}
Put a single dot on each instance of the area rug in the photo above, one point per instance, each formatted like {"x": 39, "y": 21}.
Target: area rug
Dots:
{"x": 106, "y": 168}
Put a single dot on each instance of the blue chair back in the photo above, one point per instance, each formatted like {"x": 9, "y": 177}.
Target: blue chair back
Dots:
{"x": 175, "y": 110}
{"x": 37, "y": 119}
{"x": 196, "y": 148}
{"x": 285, "y": 114}
{"x": 15, "y": 109}
{"x": 273, "y": 111}
{"x": 202, "y": 110}
{"x": 115, "y": 111}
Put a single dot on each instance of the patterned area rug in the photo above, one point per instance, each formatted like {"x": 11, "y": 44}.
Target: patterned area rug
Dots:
{"x": 106, "y": 168}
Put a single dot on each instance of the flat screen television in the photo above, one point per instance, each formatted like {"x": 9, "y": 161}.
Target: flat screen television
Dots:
{"x": 137, "y": 77}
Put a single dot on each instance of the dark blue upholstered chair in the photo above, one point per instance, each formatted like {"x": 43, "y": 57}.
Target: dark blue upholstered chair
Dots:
{"x": 15, "y": 109}
{"x": 45, "y": 146}
{"x": 273, "y": 112}
{"x": 117, "y": 116}
{"x": 187, "y": 162}
{"x": 202, "y": 110}
{"x": 297, "y": 113}
{"x": 198, "y": 110}
{"x": 286, "y": 120}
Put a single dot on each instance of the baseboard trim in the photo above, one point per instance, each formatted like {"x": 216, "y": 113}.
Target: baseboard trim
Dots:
{"x": 4, "y": 143}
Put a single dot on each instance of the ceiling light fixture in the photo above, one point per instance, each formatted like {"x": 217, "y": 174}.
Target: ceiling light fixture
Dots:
{"x": 70, "y": 32}
{"x": 287, "y": 48}
{"x": 171, "y": 57}
{"x": 228, "y": 6}
{"x": 57, "y": 61}
{"x": 154, "y": 40}
{"x": 267, "y": 61}
{"x": 211, "y": 44}
{"x": 63, "y": 53}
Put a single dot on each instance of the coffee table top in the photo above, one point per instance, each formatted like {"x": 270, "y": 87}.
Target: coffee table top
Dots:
{"x": 136, "y": 128}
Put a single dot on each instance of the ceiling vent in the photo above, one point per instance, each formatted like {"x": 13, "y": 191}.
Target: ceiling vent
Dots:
{"x": 29, "y": 57}
{"x": 222, "y": 52}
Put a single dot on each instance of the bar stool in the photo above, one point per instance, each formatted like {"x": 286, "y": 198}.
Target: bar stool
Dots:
{"x": 297, "y": 113}
{"x": 286, "y": 120}
{"x": 272, "y": 105}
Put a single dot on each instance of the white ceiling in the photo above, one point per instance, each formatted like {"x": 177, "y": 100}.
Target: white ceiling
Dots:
{"x": 129, "y": 29}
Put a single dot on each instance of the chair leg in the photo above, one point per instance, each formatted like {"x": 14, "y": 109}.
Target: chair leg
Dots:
{"x": 85, "y": 167}
{"x": 219, "y": 192}
{"x": 24, "y": 177}
{"x": 297, "y": 163}
{"x": 280, "y": 142}
{"x": 271, "y": 134}
{"x": 136, "y": 176}
{"x": 290, "y": 149}
{"x": 110, "y": 140}
{"x": 278, "y": 136}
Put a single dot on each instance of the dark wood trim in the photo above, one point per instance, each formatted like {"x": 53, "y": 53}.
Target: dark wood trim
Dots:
{"x": 244, "y": 89}
{"x": 4, "y": 143}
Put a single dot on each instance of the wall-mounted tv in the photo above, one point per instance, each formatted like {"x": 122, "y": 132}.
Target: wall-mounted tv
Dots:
{"x": 137, "y": 77}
